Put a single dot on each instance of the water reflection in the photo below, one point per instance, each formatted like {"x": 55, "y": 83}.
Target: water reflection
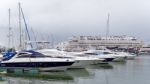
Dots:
{"x": 14, "y": 80}
{"x": 34, "y": 78}
{"x": 77, "y": 73}
{"x": 45, "y": 77}
{"x": 100, "y": 66}
{"x": 120, "y": 63}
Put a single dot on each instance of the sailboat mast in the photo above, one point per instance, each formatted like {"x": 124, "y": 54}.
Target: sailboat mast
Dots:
{"x": 35, "y": 38}
{"x": 52, "y": 41}
{"x": 20, "y": 30}
{"x": 9, "y": 29}
{"x": 26, "y": 27}
{"x": 107, "y": 26}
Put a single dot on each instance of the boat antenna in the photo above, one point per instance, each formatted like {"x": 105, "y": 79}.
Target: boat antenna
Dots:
{"x": 26, "y": 27}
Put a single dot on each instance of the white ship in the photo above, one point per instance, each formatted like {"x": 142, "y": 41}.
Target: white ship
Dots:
{"x": 81, "y": 43}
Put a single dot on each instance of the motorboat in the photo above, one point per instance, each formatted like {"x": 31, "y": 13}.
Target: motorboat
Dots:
{"x": 118, "y": 57}
{"x": 108, "y": 57}
{"x": 129, "y": 56}
{"x": 32, "y": 59}
{"x": 81, "y": 55}
{"x": 80, "y": 61}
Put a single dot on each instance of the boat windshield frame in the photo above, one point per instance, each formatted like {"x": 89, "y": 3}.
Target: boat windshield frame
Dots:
{"x": 30, "y": 55}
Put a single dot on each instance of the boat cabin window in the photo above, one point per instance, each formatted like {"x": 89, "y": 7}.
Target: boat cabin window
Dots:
{"x": 23, "y": 55}
{"x": 30, "y": 55}
{"x": 81, "y": 55}
{"x": 91, "y": 53}
{"x": 37, "y": 55}
{"x": 107, "y": 53}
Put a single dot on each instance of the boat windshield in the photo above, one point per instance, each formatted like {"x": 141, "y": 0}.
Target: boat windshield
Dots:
{"x": 31, "y": 54}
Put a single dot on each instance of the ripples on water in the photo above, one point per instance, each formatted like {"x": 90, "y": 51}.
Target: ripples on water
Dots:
{"x": 130, "y": 72}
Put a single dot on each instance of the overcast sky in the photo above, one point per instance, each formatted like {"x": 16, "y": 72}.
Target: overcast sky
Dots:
{"x": 65, "y": 18}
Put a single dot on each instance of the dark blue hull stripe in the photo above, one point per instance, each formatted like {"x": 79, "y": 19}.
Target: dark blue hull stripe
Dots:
{"x": 36, "y": 64}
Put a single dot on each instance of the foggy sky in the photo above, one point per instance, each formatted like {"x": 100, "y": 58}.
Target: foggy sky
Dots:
{"x": 65, "y": 18}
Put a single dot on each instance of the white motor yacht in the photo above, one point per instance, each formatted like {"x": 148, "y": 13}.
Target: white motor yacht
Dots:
{"x": 32, "y": 59}
{"x": 94, "y": 59}
{"x": 129, "y": 56}
{"x": 119, "y": 57}
{"x": 80, "y": 61}
{"x": 107, "y": 53}
{"x": 108, "y": 57}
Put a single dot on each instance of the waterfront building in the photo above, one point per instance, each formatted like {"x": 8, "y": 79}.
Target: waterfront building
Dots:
{"x": 80, "y": 43}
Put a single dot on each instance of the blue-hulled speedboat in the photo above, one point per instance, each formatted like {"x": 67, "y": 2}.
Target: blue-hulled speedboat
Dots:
{"x": 32, "y": 59}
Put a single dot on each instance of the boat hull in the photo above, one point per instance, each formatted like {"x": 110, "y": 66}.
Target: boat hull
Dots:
{"x": 119, "y": 59}
{"x": 81, "y": 64}
{"x": 42, "y": 66}
{"x": 98, "y": 61}
{"x": 108, "y": 59}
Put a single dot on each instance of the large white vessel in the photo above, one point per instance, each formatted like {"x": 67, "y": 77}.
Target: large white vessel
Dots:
{"x": 31, "y": 59}
{"x": 81, "y": 43}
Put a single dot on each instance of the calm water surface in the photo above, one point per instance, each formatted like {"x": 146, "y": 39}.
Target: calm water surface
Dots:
{"x": 131, "y": 72}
